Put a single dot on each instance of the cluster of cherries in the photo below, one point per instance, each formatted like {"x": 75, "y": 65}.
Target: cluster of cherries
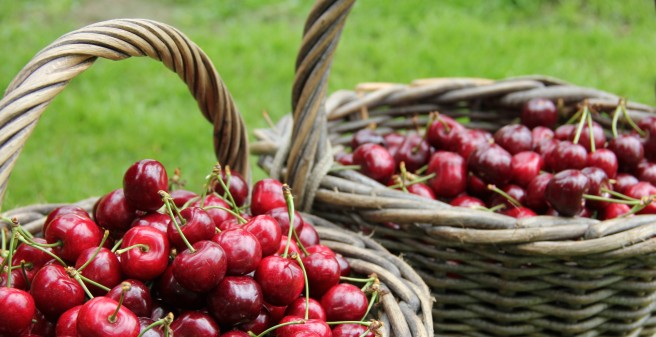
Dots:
{"x": 533, "y": 167}
{"x": 154, "y": 260}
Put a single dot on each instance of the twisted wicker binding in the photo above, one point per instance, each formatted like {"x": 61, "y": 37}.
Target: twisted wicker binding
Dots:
{"x": 405, "y": 305}
{"x": 490, "y": 274}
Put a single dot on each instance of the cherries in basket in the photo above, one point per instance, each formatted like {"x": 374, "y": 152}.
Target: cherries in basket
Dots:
{"x": 154, "y": 259}
{"x": 534, "y": 166}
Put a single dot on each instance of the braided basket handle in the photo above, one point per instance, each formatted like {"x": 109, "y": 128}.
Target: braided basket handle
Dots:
{"x": 48, "y": 73}
{"x": 309, "y": 160}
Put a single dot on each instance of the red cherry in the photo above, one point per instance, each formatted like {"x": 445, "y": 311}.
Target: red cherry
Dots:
{"x": 281, "y": 280}
{"x": 31, "y": 255}
{"x": 318, "y": 327}
{"x": 281, "y": 215}
{"x": 276, "y": 313}
{"x": 138, "y": 298}
{"x": 235, "y": 333}
{"x": 237, "y": 186}
{"x": 322, "y": 271}
{"x": 649, "y": 124}
{"x": 491, "y": 164}
{"x": 605, "y": 159}
{"x": 468, "y": 140}
{"x": 525, "y": 166}
{"x": 514, "y": 138}
{"x": 308, "y": 236}
{"x": 477, "y": 187}
{"x": 450, "y": 174}
{"x": 568, "y": 155}
{"x": 646, "y": 171}
{"x": 518, "y": 212}
{"x": 172, "y": 293}
{"x": 514, "y": 191}
{"x": 643, "y": 190}
{"x": 564, "y": 132}
{"x": 414, "y": 152}
{"x": 541, "y": 134}
{"x": 565, "y": 191}
{"x": 266, "y": 195}
{"x": 259, "y": 324}
{"x": 468, "y": 201}
{"x": 375, "y": 161}
{"x": 242, "y": 250}
{"x": 93, "y": 319}
{"x": 441, "y": 133}
{"x": 267, "y": 231}
{"x": 218, "y": 215}
{"x": 113, "y": 213}
{"x": 196, "y": 225}
{"x": 182, "y": 197}
{"x": 629, "y": 151}
{"x": 351, "y": 329}
{"x": 421, "y": 190}
{"x": 623, "y": 181}
{"x": 365, "y": 136}
{"x": 344, "y": 302}
{"x": 105, "y": 269}
{"x": 17, "y": 308}
{"x": 293, "y": 247}
{"x": 344, "y": 266}
{"x": 61, "y": 210}
{"x": 613, "y": 210}
{"x": 142, "y": 182}
{"x": 54, "y": 291}
{"x": 201, "y": 269}
{"x": 156, "y": 220}
{"x": 237, "y": 299}
{"x": 67, "y": 322}
{"x": 297, "y": 308}
{"x": 76, "y": 233}
{"x": 148, "y": 260}
{"x": 598, "y": 183}
{"x": 194, "y": 324}
{"x": 392, "y": 142}
{"x": 539, "y": 112}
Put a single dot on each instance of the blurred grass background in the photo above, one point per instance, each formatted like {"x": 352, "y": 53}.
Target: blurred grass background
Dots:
{"x": 120, "y": 112}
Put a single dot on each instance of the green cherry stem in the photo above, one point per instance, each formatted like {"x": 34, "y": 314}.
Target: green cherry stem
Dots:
{"x": 307, "y": 284}
{"x": 591, "y": 131}
{"x": 3, "y": 243}
{"x": 375, "y": 290}
{"x": 349, "y": 322}
{"x": 225, "y": 185}
{"x": 583, "y": 118}
{"x": 73, "y": 273}
{"x": 415, "y": 181}
{"x": 165, "y": 321}
{"x": 125, "y": 287}
{"x": 23, "y": 268}
{"x": 12, "y": 246}
{"x": 144, "y": 248}
{"x": 117, "y": 244}
{"x": 22, "y": 265}
{"x": 629, "y": 120}
{"x": 616, "y": 118}
{"x": 169, "y": 208}
{"x": 353, "y": 279}
{"x": 287, "y": 193}
{"x": 95, "y": 253}
{"x": 508, "y": 197}
{"x": 51, "y": 254}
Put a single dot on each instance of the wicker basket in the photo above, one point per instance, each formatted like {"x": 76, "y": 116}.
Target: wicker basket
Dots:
{"x": 405, "y": 306}
{"x": 491, "y": 274}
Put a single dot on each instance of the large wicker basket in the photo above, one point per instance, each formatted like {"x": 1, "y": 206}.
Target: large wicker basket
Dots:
{"x": 405, "y": 308}
{"x": 491, "y": 274}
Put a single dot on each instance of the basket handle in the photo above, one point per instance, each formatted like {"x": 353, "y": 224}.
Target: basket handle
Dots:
{"x": 48, "y": 73}
{"x": 309, "y": 160}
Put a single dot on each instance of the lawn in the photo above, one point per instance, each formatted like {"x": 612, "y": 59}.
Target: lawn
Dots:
{"x": 120, "y": 112}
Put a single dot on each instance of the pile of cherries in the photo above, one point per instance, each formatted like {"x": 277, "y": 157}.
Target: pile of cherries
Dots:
{"x": 533, "y": 167}
{"x": 155, "y": 260}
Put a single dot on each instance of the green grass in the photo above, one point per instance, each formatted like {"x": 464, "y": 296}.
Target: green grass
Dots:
{"x": 119, "y": 112}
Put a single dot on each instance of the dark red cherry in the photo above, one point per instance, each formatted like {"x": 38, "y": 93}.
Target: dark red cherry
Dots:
{"x": 67, "y": 322}
{"x": 564, "y": 132}
{"x": 168, "y": 289}
{"x": 541, "y": 134}
{"x": 641, "y": 191}
{"x": 196, "y": 225}
{"x": 268, "y": 232}
{"x": 613, "y": 210}
{"x": 518, "y": 212}
{"x": 535, "y": 193}
{"x": 514, "y": 138}
{"x": 105, "y": 268}
{"x": 309, "y": 235}
{"x": 138, "y": 298}
{"x": 93, "y": 319}
{"x": 477, "y": 187}
{"x": 568, "y": 155}
{"x": 216, "y": 208}
{"x": 492, "y": 164}
{"x": 113, "y": 212}
{"x": 468, "y": 140}
{"x": 61, "y": 210}
{"x": 366, "y": 136}
{"x": 281, "y": 215}
{"x": 414, "y": 152}
{"x": 75, "y": 233}
{"x": 156, "y": 220}
{"x": 605, "y": 159}
{"x": 237, "y": 299}
{"x": 237, "y": 186}
{"x": 565, "y": 191}
{"x": 352, "y": 329}
{"x": 148, "y": 253}
{"x": 17, "y": 308}
{"x": 181, "y": 197}
{"x": 259, "y": 324}
{"x": 375, "y": 161}
{"x": 468, "y": 201}
{"x": 276, "y": 313}
{"x": 297, "y": 308}
{"x": 646, "y": 171}
{"x": 623, "y": 181}
{"x": 629, "y": 151}
{"x": 54, "y": 291}
{"x": 194, "y": 324}
{"x": 243, "y": 251}
{"x": 344, "y": 302}
{"x": 281, "y": 279}
{"x": 441, "y": 133}
{"x": 266, "y": 195}
{"x": 599, "y": 183}
{"x": 309, "y": 328}
{"x": 514, "y": 191}
{"x": 34, "y": 258}
{"x": 539, "y": 112}
{"x": 323, "y": 272}
{"x": 421, "y": 190}
{"x": 156, "y": 331}
{"x": 201, "y": 269}
{"x": 393, "y": 141}
{"x": 142, "y": 182}
{"x": 344, "y": 265}
{"x": 525, "y": 166}
{"x": 450, "y": 174}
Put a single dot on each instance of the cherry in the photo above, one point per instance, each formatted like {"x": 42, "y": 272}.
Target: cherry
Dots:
{"x": 216, "y": 208}
{"x": 515, "y": 192}
{"x": 54, "y": 291}
{"x": 450, "y": 174}
{"x": 518, "y": 212}
{"x": 323, "y": 272}
{"x": 309, "y": 236}
{"x": 344, "y": 302}
{"x": 491, "y": 164}
{"x": 599, "y": 137}
{"x": 242, "y": 250}
{"x": 598, "y": 183}
{"x": 344, "y": 158}
{"x": 613, "y": 210}
{"x": 237, "y": 299}
{"x": 113, "y": 213}
{"x": 156, "y": 220}
{"x": 568, "y": 155}
{"x": 172, "y": 293}
{"x": 201, "y": 267}
{"x": 293, "y": 247}
{"x": 237, "y": 186}
{"x": 541, "y": 134}
{"x": 36, "y": 258}
{"x": 564, "y": 132}
{"x": 40, "y": 326}
{"x": 366, "y": 136}
{"x": 156, "y": 331}
{"x": 524, "y": 166}
{"x": 468, "y": 140}
{"x": 421, "y": 190}
{"x": 392, "y": 142}
{"x": 259, "y": 324}
{"x": 351, "y": 329}
{"x": 281, "y": 215}
{"x": 196, "y": 225}
{"x": 102, "y": 316}
{"x": 605, "y": 159}
{"x": 649, "y": 124}
{"x": 142, "y": 182}
{"x": 103, "y": 267}
{"x": 539, "y": 112}
{"x": 375, "y": 161}
{"x": 281, "y": 279}
{"x": 441, "y": 133}
{"x": 182, "y": 197}
{"x": 414, "y": 152}
{"x": 268, "y": 232}
{"x": 194, "y": 324}
{"x": 477, "y": 187}
{"x": 646, "y": 171}
{"x": 344, "y": 265}
{"x": 276, "y": 313}
{"x": 17, "y": 307}
{"x": 266, "y": 195}
{"x": 468, "y": 201}
{"x": 565, "y": 190}
{"x": 147, "y": 255}
{"x": 67, "y": 322}
{"x": 137, "y": 297}
{"x": 61, "y": 210}
{"x": 629, "y": 151}
{"x": 297, "y": 308}
{"x": 514, "y": 138}
{"x": 76, "y": 233}
{"x": 623, "y": 181}
{"x": 641, "y": 191}
{"x": 318, "y": 327}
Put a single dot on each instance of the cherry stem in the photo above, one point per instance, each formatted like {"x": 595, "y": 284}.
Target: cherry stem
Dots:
{"x": 616, "y": 118}
{"x": 95, "y": 253}
{"x": 583, "y": 118}
{"x": 144, "y": 248}
{"x": 289, "y": 199}
{"x": 263, "y": 333}
{"x": 621, "y": 108}
{"x": 125, "y": 287}
{"x": 165, "y": 321}
{"x": 349, "y": 322}
{"x": 508, "y": 197}
{"x": 116, "y": 245}
{"x": 226, "y": 185}
{"x": 3, "y": 244}
{"x": 591, "y": 131}
{"x": 232, "y": 212}
{"x": 415, "y": 181}
{"x": 22, "y": 239}
{"x": 23, "y": 268}
{"x": 617, "y": 194}
{"x": 374, "y": 288}
{"x": 23, "y": 264}
{"x": 353, "y": 279}
{"x": 169, "y": 208}
{"x": 12, "y": 246}
{"x": 422, "y": 169}
{"x": 78, "y": 277}
{"x": 307, "y": 284}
